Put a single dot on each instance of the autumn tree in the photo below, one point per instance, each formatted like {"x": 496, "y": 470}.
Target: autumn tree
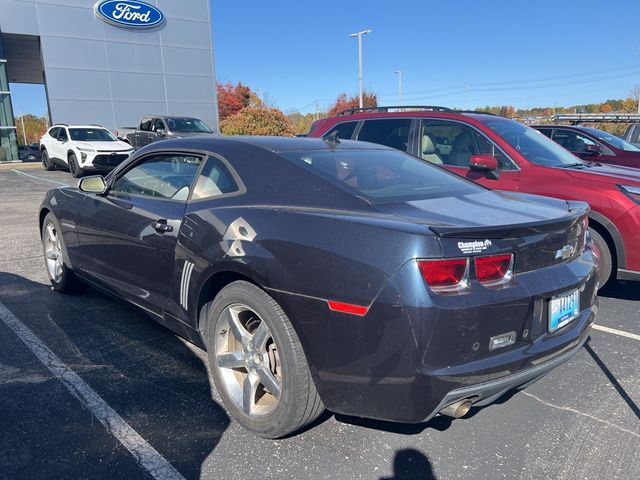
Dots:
{"x": 233, "y": 98}
{"x": 31, "y": 127}
{"x": 369, "y": 100}
{"x": 257, "y": 121}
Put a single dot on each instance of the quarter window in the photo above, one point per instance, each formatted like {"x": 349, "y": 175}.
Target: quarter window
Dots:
{"x": 344, "y": 130}
{"x": 53, "y": 133}
{"x": 214, "y": 180}
{"x": 393, "y": 133}
{"x": 161, "y": 176}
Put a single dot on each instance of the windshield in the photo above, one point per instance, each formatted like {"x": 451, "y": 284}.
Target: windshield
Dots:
{"x": 187, "y": 125}
{"x": 91, "y": 135}
{"x": 612, "y": 139}
{"x": 382, "y": 176}
{"x": 532, "y": 145}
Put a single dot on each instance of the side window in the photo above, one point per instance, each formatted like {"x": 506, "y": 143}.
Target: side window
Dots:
{"x": 162, "y": 176}
{"x": 158, "y": 124}
{"x": 62, "y": 134}
{"x": 635, "y": 134}
{"x": 572, "y": 141}
{"x": 393, "y": 132}
{"x": 344, "y": 130}
{"x": 145, "y": 125}
{"x": 545, "y": 131}
{"x": 214, "y": 180}
{"x": 452, "y": 143}
{"x": 53, "y": 133}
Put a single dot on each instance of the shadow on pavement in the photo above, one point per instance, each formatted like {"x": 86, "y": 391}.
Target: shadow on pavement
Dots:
{"x": 614, "y": 381}
{"x": 141, "y": 369}
{"x": 410, "y": 464}
{"x": 621, "y": 290}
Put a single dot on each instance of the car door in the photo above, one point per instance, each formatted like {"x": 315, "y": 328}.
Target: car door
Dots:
{"x": 153, "y": 135}
{"x": 142, "y": 134}
{"x": 60, "y": 145}
{"x": 582, "y": 145}
{"x": 127, "y": 237}
{"x": 454, "y": 143}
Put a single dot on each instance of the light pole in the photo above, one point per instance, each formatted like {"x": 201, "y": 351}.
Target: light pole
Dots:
{"x": 24, "y": 133}
{"x": 399, "y": 73}
{"x": 359, "y": 35}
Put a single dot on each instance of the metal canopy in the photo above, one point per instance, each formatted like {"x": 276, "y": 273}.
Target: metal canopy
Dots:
{"x": 24, "y": 62}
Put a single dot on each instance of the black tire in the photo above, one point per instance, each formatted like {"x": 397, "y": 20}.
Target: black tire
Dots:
{"x": 74, "y": 167}
{"x": 67, "y": 282}
{"x": 46, "y": 162}
{"x": 299, "y": 403}
{"x": 606, "y": 259}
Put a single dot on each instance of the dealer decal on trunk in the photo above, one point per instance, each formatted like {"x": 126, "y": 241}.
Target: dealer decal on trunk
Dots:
{"x": 474, "y": 247}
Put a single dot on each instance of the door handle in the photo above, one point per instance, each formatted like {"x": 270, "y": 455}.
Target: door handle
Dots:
{"x": 161, "y": 226}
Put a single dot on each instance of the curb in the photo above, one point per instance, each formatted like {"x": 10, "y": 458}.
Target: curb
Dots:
{"x": 21, "y": 165}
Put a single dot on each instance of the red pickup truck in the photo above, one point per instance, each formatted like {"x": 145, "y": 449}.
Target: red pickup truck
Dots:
{"x": 506, "y": 155}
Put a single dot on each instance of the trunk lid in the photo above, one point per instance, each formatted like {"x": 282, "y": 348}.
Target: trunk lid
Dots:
{"x": 539, "y": 231}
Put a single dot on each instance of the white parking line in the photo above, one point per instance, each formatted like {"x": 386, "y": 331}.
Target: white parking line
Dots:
{"x": 616, "y": 332}
{"x": 146, "y": 456}
{"x": 40, "y": 178}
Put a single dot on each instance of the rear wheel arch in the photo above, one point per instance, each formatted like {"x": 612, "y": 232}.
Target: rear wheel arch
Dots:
{"x": 43, "y": 213}
{"x": 210, "y": 289}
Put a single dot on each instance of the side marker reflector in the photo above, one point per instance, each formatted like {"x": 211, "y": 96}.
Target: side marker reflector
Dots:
{"x": 347, "y": 308}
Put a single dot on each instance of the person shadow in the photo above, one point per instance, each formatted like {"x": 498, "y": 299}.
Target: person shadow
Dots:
{"x": 410, "y": 464}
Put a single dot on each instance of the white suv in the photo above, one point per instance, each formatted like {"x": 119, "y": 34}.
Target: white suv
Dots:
{"x": 82, "y": 148}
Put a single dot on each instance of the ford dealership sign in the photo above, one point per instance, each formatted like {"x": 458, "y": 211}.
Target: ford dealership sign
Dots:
{"x": 129, "y": 13}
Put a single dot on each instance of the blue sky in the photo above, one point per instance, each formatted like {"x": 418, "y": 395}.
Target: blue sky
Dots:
{"x": 456, "y": 53}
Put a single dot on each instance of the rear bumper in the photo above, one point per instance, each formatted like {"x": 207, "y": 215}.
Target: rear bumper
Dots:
{"x": 486, "y": 393}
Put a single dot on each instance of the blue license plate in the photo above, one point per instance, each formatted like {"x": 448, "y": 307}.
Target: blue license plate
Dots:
{"x": 563, "y": 309}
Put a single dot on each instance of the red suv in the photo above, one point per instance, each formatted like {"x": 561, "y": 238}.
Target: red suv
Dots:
{"x": 593, "y": 145}
{"x": 506, "y": 155}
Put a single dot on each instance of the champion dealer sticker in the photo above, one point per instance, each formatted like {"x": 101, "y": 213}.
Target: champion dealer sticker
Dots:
{"x": 474, "y": 247}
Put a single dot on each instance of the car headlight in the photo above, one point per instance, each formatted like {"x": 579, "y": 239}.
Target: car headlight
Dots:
{"x": 631, "y": 191}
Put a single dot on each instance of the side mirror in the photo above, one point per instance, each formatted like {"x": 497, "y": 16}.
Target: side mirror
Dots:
{"x": 93, "y": 184}
{"x": 161, "y": 132}
{"x": 592, "y": 149}
{"x": 483, "y": 163}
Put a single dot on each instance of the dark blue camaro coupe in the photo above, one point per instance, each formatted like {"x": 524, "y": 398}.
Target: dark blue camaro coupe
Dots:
{"x": 332, "y": 274}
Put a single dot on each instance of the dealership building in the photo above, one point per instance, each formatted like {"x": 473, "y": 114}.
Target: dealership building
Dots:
{"x": 108, "y": 62}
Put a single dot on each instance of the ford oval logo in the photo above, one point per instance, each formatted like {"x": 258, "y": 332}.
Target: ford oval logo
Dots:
{"x": 129, "y": 13}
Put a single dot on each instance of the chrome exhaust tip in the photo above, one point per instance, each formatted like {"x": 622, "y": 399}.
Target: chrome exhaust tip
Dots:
{"x": 457, "y": 409}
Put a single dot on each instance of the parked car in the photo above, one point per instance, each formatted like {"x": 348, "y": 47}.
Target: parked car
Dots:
{"x": 593, "y": 145}
{"x": 82, "y": 148}
{"x": 29, "y": 153}
{"x": 506, "y": 155}
{"x": 160, "y": 127}
{"x": 632, "y": 135}
{"x": 332, "y": 274}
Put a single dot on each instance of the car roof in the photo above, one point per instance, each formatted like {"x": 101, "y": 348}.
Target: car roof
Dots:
{"x": 77, "y": 126}
{"x": 273, "y": 144}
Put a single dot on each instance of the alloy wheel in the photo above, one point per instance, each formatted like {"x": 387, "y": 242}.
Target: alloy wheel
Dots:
{"x": 53, "y": 253}
{"x": 247, "y": 357}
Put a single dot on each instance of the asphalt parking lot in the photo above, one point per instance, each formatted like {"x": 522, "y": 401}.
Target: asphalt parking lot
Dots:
{"x": 582, "y": 421}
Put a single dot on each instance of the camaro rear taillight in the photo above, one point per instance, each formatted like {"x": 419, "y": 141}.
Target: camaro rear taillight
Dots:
{"x": 447, "y": 275}
{"x": 494, "y": 269}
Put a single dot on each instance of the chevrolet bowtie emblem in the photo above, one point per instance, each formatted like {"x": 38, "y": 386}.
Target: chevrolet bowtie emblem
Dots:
{"x": 565, "y": 252}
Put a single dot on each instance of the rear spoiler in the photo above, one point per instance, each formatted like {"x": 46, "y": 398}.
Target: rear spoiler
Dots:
{"x": 576, "y": 212}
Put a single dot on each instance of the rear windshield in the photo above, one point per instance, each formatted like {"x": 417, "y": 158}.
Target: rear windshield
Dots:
{"x": 91, "y": 135}
{"x": 382, "y": 176}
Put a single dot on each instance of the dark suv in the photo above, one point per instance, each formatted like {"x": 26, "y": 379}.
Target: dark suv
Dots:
{"x": 506, "y": 155}
{"x": 593, "y": 145}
